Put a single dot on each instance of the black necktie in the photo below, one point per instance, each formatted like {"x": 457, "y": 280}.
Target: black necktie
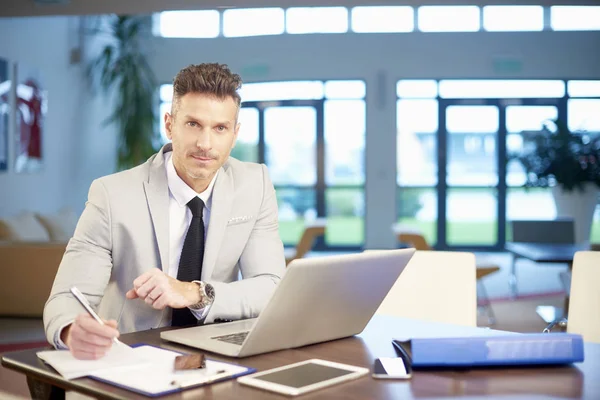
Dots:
{"x": 190, "y": 263}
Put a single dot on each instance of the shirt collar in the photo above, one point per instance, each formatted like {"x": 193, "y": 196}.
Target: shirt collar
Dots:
{"x": 181, "y": 191}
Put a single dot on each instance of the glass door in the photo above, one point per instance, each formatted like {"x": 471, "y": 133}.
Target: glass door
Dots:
{"x": 284, "y": 135}
{"x": 247, "y": 144}
{"x": 344, "y": 171}
{"x": 469, "y": 170}
{"x": 314, "y": 149}
{"x": 291, "y": 154}
{"x": 466, "y": 131}
{"x": 417, "y": 160}
{"x": 480, "y": 190}
{"x": 523, "y": 117}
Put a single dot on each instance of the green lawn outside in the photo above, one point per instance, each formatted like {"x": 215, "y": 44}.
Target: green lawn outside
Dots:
{"x": 345, "y": 231}
{"x": 290, "y": 231}
{"x": 341, "y": 231}
{"x": 349, "y": 231}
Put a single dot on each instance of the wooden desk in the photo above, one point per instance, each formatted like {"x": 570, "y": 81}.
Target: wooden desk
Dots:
{"x": 581, "y": 380}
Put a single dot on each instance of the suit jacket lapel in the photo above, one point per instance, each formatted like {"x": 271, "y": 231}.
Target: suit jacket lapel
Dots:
{"x": 157, "y": 195}
{"x": 222, "y": 198}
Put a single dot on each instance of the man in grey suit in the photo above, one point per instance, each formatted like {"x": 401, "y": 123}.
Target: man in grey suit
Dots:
{"x": 164, "y": 243}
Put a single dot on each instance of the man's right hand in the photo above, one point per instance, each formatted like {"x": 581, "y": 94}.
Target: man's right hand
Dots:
{"x": 87, "y": 339}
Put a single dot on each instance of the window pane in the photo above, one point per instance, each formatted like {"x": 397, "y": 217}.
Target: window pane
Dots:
{"x": 417, "y": 142}
{"x": 472, "y": 216}
{"x": 246, "y": 146}
{"x": 268, "y": 91}
{"x": 529, "y": 203}
{"x": 383, "y": 19}
{"x": 164, "y": 108}
{"x": 449, "y": 18}
{"x": 345, "y": 211}
{"x": 417, "y": 88}
{"x": 417, "y": 212}
{"x": 290, "y": 134}
{"x": 513, "y": 18}
{"x": 166, "y": 92}
{"x": 253, "y": 22}
{"x": 345, "y": 89}
{"x": 528, "y": 118}
{"x": 418, "y": 115}
{"x": 575, "y": 18}
{"x": 583, "y": 88}
{"x": 521, "y": 119}
{"x": 507, "y": 89}
{"x": 316, "y": 20}
{"x": 295, "y": 205}
{"x": 584, "y": 115}
{"x": 345, "y": 141}
{"x": 472, "y": 135}
{"x": 472, "y": 119}
{"x": 189, "y": 24}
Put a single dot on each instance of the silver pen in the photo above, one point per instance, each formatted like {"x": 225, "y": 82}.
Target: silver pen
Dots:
{"x": 81, "y": 298}
{"x": 181, "y": 384}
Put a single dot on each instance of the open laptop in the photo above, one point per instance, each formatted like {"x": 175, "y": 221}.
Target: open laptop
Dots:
{"x": 318, "y": 299}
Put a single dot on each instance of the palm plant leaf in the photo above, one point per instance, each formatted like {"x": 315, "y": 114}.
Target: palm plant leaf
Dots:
{"x": 122, "y": 66}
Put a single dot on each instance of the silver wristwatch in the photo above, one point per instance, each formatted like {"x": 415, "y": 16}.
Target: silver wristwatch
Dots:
{"x": 207, "y": 295}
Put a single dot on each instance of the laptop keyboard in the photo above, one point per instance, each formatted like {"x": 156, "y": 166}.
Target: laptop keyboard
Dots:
{"x": 234, "y": 338}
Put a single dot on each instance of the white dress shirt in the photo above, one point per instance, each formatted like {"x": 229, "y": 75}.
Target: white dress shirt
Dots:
{"x": 180, "y": 217}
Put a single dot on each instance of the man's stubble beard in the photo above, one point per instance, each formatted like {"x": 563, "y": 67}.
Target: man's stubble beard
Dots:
{"x": 190, "y": 174}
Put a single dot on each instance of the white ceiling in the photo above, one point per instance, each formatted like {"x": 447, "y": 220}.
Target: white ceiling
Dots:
{"x": 14, "y": 8}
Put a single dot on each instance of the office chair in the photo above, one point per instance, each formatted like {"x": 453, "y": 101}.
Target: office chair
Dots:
{"x": 584, "y": 300}
{"x": 415, "y": 240}
{"x": 312, "y": 230}
{"x": 420, "y": 243}
{"x": 435, "y": 286}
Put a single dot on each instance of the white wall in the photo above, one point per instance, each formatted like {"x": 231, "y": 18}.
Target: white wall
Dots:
{"x": 382, "y": 59}
{"x": 73, "y": 147}
{"x": 42, "y": 43}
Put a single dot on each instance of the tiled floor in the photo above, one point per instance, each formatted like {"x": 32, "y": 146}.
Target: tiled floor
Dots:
{"x": 532, "y": 278}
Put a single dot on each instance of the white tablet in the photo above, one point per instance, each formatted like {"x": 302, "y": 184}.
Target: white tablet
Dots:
{"x": 303, "y": 377}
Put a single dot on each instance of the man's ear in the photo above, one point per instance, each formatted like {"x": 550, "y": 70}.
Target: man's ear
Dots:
{"x": 169, "y": 125}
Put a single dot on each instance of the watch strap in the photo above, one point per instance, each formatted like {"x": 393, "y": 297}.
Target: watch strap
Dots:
{"x": 205, "y": 300}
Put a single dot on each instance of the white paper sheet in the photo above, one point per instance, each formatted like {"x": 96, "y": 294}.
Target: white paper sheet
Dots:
{"x": 71, "y": 368}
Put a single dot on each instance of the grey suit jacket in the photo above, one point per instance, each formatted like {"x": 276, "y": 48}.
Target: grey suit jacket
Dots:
{"x": 124, "y": 231}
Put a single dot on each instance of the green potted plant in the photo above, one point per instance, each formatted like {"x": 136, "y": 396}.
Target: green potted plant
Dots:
{"x": 569, "y": 163}
{"x": 121, "y": 68}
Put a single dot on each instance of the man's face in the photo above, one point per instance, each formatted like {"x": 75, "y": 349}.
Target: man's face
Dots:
{"x": 203, "y": 130}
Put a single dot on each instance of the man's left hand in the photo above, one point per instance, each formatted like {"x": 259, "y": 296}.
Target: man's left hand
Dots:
{"x": 160, "y": 290}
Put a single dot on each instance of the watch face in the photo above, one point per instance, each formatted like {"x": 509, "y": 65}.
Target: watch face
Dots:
{"x": 210, "y": 291}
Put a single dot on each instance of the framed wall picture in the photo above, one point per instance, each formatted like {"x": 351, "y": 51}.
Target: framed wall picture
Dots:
{"x": 31, "y": 105}
{"x": 5, "y": 87}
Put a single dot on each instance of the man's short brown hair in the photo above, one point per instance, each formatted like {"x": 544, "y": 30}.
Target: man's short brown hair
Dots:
{"x": 210, "y": 78}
